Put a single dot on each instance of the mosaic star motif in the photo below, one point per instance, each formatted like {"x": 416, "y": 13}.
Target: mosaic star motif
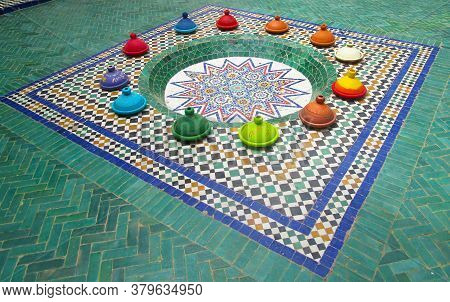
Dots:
{"x": 237, "y": 89}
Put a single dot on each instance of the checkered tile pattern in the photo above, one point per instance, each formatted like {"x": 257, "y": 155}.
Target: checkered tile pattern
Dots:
{"x": 7, "y": 6}
{"x": 8, "y": 3}
{"x": 287, "y": 178}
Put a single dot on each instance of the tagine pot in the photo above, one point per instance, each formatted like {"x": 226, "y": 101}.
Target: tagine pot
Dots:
{"x": 258, "y": 133}
{"x": 227, "y": 21}
{"x": 191, "y": 127}
{"x": 185, "y": 25}
{"x": 135, "y": 46}
{"x": 277, "y": 26}
{"x": 317, "y": 114}
{"x": 114, "y": 79}
{"x": 129, "y": 103}
{"x": 349, "y": 54}
{"x": 323, "y": 37}
{"x": 349, "y": 87}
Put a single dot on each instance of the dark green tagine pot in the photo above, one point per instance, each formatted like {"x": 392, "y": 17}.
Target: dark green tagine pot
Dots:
{"x": 191, "y": 127}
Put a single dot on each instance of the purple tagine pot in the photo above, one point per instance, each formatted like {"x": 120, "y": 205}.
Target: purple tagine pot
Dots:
{"x": 114, "y": 79}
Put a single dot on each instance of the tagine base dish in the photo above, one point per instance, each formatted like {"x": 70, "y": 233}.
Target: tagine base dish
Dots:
{"x": 186, "y": 31}
{"x": 317, "y": 126}
{"x": 348, "y": 95}
{"x": 319, "y": 44}
{"x": 349, "y": 60}
{"x": 129, "y": 112}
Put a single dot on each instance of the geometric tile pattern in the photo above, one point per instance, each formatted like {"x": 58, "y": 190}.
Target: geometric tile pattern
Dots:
{"x": 7, "y": 6}
{"x": 55, "y": 225}
{"x": 314, "y": 212}
{"x": 238, "y": 89}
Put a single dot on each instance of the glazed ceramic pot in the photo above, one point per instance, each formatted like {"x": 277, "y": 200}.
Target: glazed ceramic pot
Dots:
{"x": 129, "y": 103}
{"x": 191, "y": 127}
{"x": 277, "y": 26}
{"x": 348, "y": 86}
{"x": 258, "y": 133}
{"x": 227, "y": 21}
{"x": 114, "y": 79}
{"x": 185, "y": 25}
{"x": 323, "y": 37}
{"x": 349, "y": 54}
{"x": 135, "y": 46}
{"x": 317, "y": 114}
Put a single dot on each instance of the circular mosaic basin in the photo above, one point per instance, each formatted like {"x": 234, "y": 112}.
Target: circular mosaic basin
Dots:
{"x": 231, "y": 79}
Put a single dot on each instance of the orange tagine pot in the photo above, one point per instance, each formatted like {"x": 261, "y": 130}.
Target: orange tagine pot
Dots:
{"x": 323, "y": 37}
{"x": 348, "y": 86}
{"x": 227, "y": 21}
{"x": 135, "y": 46}
{"x": 276, "y": 26}
{"x": 317, "y": 114}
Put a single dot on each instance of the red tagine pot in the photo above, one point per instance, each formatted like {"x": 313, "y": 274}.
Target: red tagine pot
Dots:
{"x": 317, "y": 114}
{"x": 227, "y": 21}
{"x": 323, "y": 37}
{"x": 349, "y": 87}
{"x": 135, "y": 46}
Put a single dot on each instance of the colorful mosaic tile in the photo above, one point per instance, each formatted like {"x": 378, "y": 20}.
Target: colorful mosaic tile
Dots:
{"x": 298, "y": 198}
{"x": 236, "y": 89}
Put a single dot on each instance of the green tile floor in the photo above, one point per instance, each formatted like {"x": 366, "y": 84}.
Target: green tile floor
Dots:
{"x": 60, "y": 220}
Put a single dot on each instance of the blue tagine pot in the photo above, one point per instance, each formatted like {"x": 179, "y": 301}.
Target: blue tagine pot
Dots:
{"x": 114, "y": 79}
{"x": 129, "y": 103}
{"x": 185, "y": 25}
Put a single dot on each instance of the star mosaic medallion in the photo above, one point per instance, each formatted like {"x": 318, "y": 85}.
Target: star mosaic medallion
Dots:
{"x": 236, "y": 89}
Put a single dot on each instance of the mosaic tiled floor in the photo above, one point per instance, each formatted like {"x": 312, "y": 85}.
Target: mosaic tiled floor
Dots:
{"x": 298, "y": 198}
{"x": 7, "y": 6}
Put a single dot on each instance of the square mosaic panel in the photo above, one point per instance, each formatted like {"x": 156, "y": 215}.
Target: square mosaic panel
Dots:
{"x": 299, "y": 197}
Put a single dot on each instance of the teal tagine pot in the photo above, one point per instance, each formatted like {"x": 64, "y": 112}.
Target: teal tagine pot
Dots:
{"x": 129, "y": 103}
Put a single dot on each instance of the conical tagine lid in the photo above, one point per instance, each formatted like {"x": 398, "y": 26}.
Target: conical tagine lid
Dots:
{"x": 129, "y": 103}
{"x": 185, "y": 25}
{"x": 348, "y": 86}
{"x": 135, "y": 46}
{"x": 349, "y": 53}
{"x": 114, "y": 79}
{"x": 277, "y": 26}
{"x": 191, "y": 126}
{"x": 258, "y": 133}
{"x": 227, "y": 21}
{"x": 317, "y": 114}
{"x": 323, "y": 37}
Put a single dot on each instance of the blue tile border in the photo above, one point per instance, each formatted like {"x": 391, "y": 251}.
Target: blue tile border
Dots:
{"x": 9, "y": 9}
{"x": 324, "y": 265}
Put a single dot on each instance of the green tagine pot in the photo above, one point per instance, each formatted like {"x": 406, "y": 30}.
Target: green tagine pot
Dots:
{"x": 191, "y": 127}
{"x": 258, "y": 133}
